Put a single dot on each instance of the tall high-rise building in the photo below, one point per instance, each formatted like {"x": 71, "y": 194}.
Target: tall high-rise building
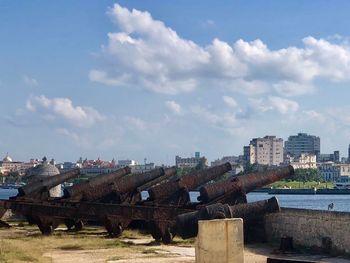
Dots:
{"x": 302, "y": 143}
{"x": 267, "y": 151}
{"x": 349, "y": 154}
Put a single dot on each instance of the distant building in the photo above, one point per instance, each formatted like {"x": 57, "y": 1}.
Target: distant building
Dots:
{"x": 304, "y": 161}
{"x": 265, "y": 151}
{"x": 190, "y": 162}
{"x": 349, "y": 154}
{"x": 124, "y": 163}
{"x": 233, "y": 160}
{"x": 302, "y": 143}
{"x": 142, "y": 168}
{"x": 331, "y": 171}
{"x": 7, "y": 165}
{"x": 329, "y": 157}
{"x": 96, "y": 167}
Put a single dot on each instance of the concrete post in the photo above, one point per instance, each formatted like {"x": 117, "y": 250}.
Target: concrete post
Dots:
{"x": 220, "y": 241}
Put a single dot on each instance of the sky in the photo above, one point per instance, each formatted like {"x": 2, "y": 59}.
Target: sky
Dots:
{"x": 155, "y": 79}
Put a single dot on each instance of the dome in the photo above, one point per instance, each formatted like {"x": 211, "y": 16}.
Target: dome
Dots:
{"x": 43, "y": 171}
{"x": 7, "y": 158}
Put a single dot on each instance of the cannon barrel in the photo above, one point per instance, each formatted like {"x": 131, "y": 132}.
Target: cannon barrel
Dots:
{"x": 243, "y": 184}
{"x": 169, "y": 175}
{"x": 131, "y": 182}
{"x": 188, "y": 182}
{"x": 95, "y": 186}
{"x": 187, "y": 224}
{"x": 47, "y": 183}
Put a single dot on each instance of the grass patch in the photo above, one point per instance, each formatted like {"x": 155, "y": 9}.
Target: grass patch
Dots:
{"x": 297, "y": 184}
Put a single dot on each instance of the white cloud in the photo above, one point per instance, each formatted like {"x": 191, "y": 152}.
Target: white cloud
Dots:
{"x": 135, "y": 123}
{"x": 174, "y": 107}
{"x": 229, "y": 101}
{"x": 63, "y": 108}
{"x": 273, "y": 103}
{"x": 150, "y": 55}
{"x": 29, "y": 81}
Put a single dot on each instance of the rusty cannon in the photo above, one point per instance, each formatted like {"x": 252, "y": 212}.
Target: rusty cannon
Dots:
{"x": 177, "y": 192}
{"x": 187, "y": 223}
{"x": 116, "y": 188}
{"x": 233, "y": 190}
{"x": 128, "y": 188}
{"x": 95, "y": 187}
{"x": 39, "y": 189}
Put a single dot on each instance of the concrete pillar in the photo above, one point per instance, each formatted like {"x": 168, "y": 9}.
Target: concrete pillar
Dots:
{"x": 220, "y": 241}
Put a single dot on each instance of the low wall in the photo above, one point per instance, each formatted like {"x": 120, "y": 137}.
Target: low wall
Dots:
{"x": 329, "y": 231}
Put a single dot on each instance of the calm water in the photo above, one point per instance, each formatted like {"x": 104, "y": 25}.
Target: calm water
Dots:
{"x": 320, "y": 202}
{"x": 6, "y": 193}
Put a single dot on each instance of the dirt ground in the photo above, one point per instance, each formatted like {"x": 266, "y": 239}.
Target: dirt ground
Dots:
{"x": 23, "y": 243}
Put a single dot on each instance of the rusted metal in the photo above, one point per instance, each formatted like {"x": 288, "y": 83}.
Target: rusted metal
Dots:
{"x": 131, "y": 182}
{"x": 47, "y": 214}
{"x": 169, "y": 176}
{"x": 95, "y": 187}
{"x": 187, "y": 183}
{"x": 124, "y": 189}
{"x": 187, "y": 224}
{"x": 229, "y": 190}
{"x": 4, "y": 224}
{"x": 44, "y": 185}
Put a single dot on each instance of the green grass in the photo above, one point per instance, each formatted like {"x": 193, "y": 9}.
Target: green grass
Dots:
{"x": 295, "y": 185}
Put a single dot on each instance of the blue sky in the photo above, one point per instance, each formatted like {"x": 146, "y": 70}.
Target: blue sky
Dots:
{"x": 136, "y": 79}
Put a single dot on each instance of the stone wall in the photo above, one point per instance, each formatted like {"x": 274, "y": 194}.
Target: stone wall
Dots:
{"x": 329, "y": 231}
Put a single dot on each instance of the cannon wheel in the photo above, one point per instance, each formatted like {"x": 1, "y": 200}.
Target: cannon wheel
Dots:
{"x": 167, "y": 236}
{"x": 155, "y": 231}
{"x": 78, "y": 226}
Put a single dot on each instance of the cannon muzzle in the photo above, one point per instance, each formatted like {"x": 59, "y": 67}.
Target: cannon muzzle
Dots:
{"x": 46, "y": 184}
{"x": 187, "y": 182}
{"x": 94, "y": 187}
{"x": 243, "y": 184}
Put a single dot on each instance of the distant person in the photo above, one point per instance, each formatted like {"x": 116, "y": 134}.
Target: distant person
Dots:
{"x": 330, "y": 206}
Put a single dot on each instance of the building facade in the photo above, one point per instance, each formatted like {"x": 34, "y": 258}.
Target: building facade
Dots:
{"x": 303, "y": 143}
{"x": 233, "y": 160}
{"x": 265, "y": 151}
{"x": 190, "y": 162}
{"x": 331, "y": 171}
{"x": 305, "y": 161}
{"x": 142, "y": 168}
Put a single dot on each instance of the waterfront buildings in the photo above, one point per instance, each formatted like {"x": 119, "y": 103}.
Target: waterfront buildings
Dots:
{"x": 304, "y": 161}
{"x": 331, "y": 171}
{"x": 266, "y": 151}
{"x": 7, "y": 165}
{"x": 303, "y": 143}
{"x": 190, "y": 162}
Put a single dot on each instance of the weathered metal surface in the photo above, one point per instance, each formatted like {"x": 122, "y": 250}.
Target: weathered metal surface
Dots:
{"x": 4, "y": 225}
{"x": 187, "y": 182}
{"x": 93, "y": 211}
{"x": 238, "y": 186}
{"x": 187, "y": 224}
{"x": 124, "y": 189}
{"x": 95, "y": 187}
{"x": 46, "y": 184}
{"x": 131, "y": 182}
{"x": 169, "y": 175}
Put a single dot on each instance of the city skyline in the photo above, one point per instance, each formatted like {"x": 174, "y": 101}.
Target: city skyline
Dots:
{"x": 131, "y": 79}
